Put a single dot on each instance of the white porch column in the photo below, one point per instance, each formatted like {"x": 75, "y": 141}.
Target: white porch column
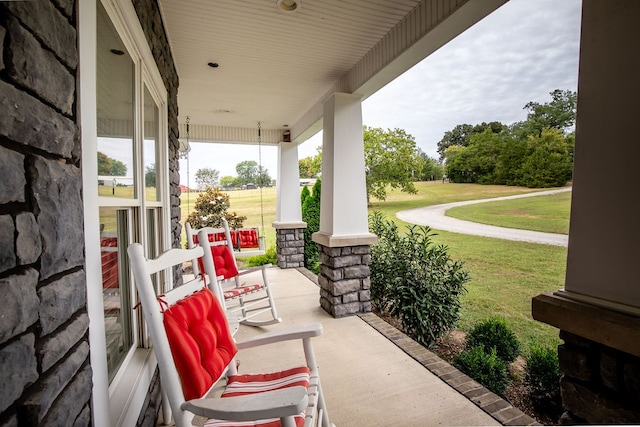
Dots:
{"x": 598, "y": 312}
{"x": 288, "y": 224}
{"x": 344, "y": 239}
{"x": 343, "y": 202}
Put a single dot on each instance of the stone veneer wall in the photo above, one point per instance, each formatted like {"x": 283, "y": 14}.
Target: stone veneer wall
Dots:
{"x": 290, "y": 247}
{"x": 44, "y": 365}
{"x": 600, "y": 385}
{"x": 344, "y": 279}
{"x": 153, "y": 27}
{"x": 45, "y": 376}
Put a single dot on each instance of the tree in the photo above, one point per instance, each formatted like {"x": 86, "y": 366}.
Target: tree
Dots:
{"x": 229, "y": 182}
{"x": 207, "y": 177}
{"x": 390, "y": 159}
{"x": 455, "y": 164}
{"x": 263, "y": 179}
{"x": 431, "y": 169}
{"x": 110, "y": 166}
{"x": 310, "y": 167}
{"x": 247, "y": 172}
{"x": 559, "y": 113}
{"x": 211, "y": 206}
{"x": 549, "y": 162}
{"x": 461, "y": 134}
{"x": 150, "y": 175}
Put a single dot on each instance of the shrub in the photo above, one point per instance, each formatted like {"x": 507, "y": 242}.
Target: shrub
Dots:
{"x": 269, "y": 257}
{"x": 542, "y": 375}
{"x": 494, "y": 333}
{"x": 210, "y": 207}
{"x": 485, "y": 367}
{"x": 304, "y": 194}
{"x": 311, "y": 215}
{"x": 415, "y": 280}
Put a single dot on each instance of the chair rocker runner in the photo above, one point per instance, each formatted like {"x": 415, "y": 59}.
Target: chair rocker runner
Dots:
{"x": 246, "y": 301}
{"x": 195, "y": 350}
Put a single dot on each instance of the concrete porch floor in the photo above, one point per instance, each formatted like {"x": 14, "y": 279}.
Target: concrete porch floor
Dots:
{"x": 372, "y": 375}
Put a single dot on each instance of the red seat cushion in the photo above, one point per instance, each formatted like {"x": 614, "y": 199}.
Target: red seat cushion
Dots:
{"x": 200, "y": 341}
{"x": 223, "y": 259}
{"x": 240, "y": 385}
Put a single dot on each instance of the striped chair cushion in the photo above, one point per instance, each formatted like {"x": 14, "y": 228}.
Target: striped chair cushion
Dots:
{"x": 240, "y": 385}
{"x": 241, "y": 290}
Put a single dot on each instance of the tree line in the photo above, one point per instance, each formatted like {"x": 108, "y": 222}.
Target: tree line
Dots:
{"x": 392, "y": 159}
{"x": 534, "y": 153}
{"x": 249, "y": 172}
{"x": 537, "y": 152}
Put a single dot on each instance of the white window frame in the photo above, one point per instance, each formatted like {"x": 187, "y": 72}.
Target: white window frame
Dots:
{"x": 121, "y": 402}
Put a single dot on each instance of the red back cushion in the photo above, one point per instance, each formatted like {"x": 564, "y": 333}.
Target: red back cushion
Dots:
{"x": 249, "y": 238}
{"x": 222, "y": 258}
{"x": 200, "y": 341}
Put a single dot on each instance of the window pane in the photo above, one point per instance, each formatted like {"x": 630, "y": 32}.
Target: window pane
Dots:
{"x": 115, "y": 80}
{"x": 114, "y": 240}
{"x": 150, "y": 147}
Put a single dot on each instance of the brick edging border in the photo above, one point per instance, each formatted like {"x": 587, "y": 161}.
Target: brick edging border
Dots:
{"x": 498, "y": 408}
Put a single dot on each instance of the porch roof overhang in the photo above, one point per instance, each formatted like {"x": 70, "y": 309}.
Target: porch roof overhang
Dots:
{"x": 278, "y": 68}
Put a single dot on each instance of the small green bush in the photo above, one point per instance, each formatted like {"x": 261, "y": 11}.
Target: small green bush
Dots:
{"x": 485, "y": 367}
{"x": 415, "y": 280}
{"x": 542, "y": 375}
{"x": 269, "y": 257}
{"x": 311, "y": 215}
{"x": 494, "y": 333}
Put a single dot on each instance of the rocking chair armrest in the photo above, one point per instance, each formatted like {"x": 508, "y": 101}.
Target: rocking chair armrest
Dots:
{"x": 252, "y": 269}
{"x": 281, "y": 403}
{"x": 287, "y": 334}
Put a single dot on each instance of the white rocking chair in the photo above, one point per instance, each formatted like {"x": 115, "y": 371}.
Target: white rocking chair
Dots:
{"x": 195, "y": 349}
{"x": 246, "y": 301}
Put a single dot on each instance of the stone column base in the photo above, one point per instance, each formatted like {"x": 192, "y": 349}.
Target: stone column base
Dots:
{"x": 600, "y": 385}
{"x": 344, "y": 279}
{"x": 290, "y": 247}
{"x": 600, "y": 359}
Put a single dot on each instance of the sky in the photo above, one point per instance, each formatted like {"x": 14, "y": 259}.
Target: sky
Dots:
{"x": 519, "y": 53}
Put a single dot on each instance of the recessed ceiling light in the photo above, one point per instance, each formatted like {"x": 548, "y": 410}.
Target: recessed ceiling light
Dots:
{"x": 213, "y": 64}
{"x": 288, "y": 5}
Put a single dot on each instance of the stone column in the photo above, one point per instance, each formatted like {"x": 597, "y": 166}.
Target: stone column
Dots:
{"x": 290, "y": 244}
{"x": 288, "y": 224}
{"x": 598, "y": 312}
{"x": 343, "y": 239}
{"x": 344, "y": 279}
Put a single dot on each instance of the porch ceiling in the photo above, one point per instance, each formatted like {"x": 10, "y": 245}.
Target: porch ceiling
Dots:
{"x": 277, "y": 67}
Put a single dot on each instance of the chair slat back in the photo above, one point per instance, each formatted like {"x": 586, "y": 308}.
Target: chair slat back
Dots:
{"x": 189, "y": 304}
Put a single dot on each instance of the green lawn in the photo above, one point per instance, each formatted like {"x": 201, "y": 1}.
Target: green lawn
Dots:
{"x": 505, "y": 275}
{"x": 549, "y": 214}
